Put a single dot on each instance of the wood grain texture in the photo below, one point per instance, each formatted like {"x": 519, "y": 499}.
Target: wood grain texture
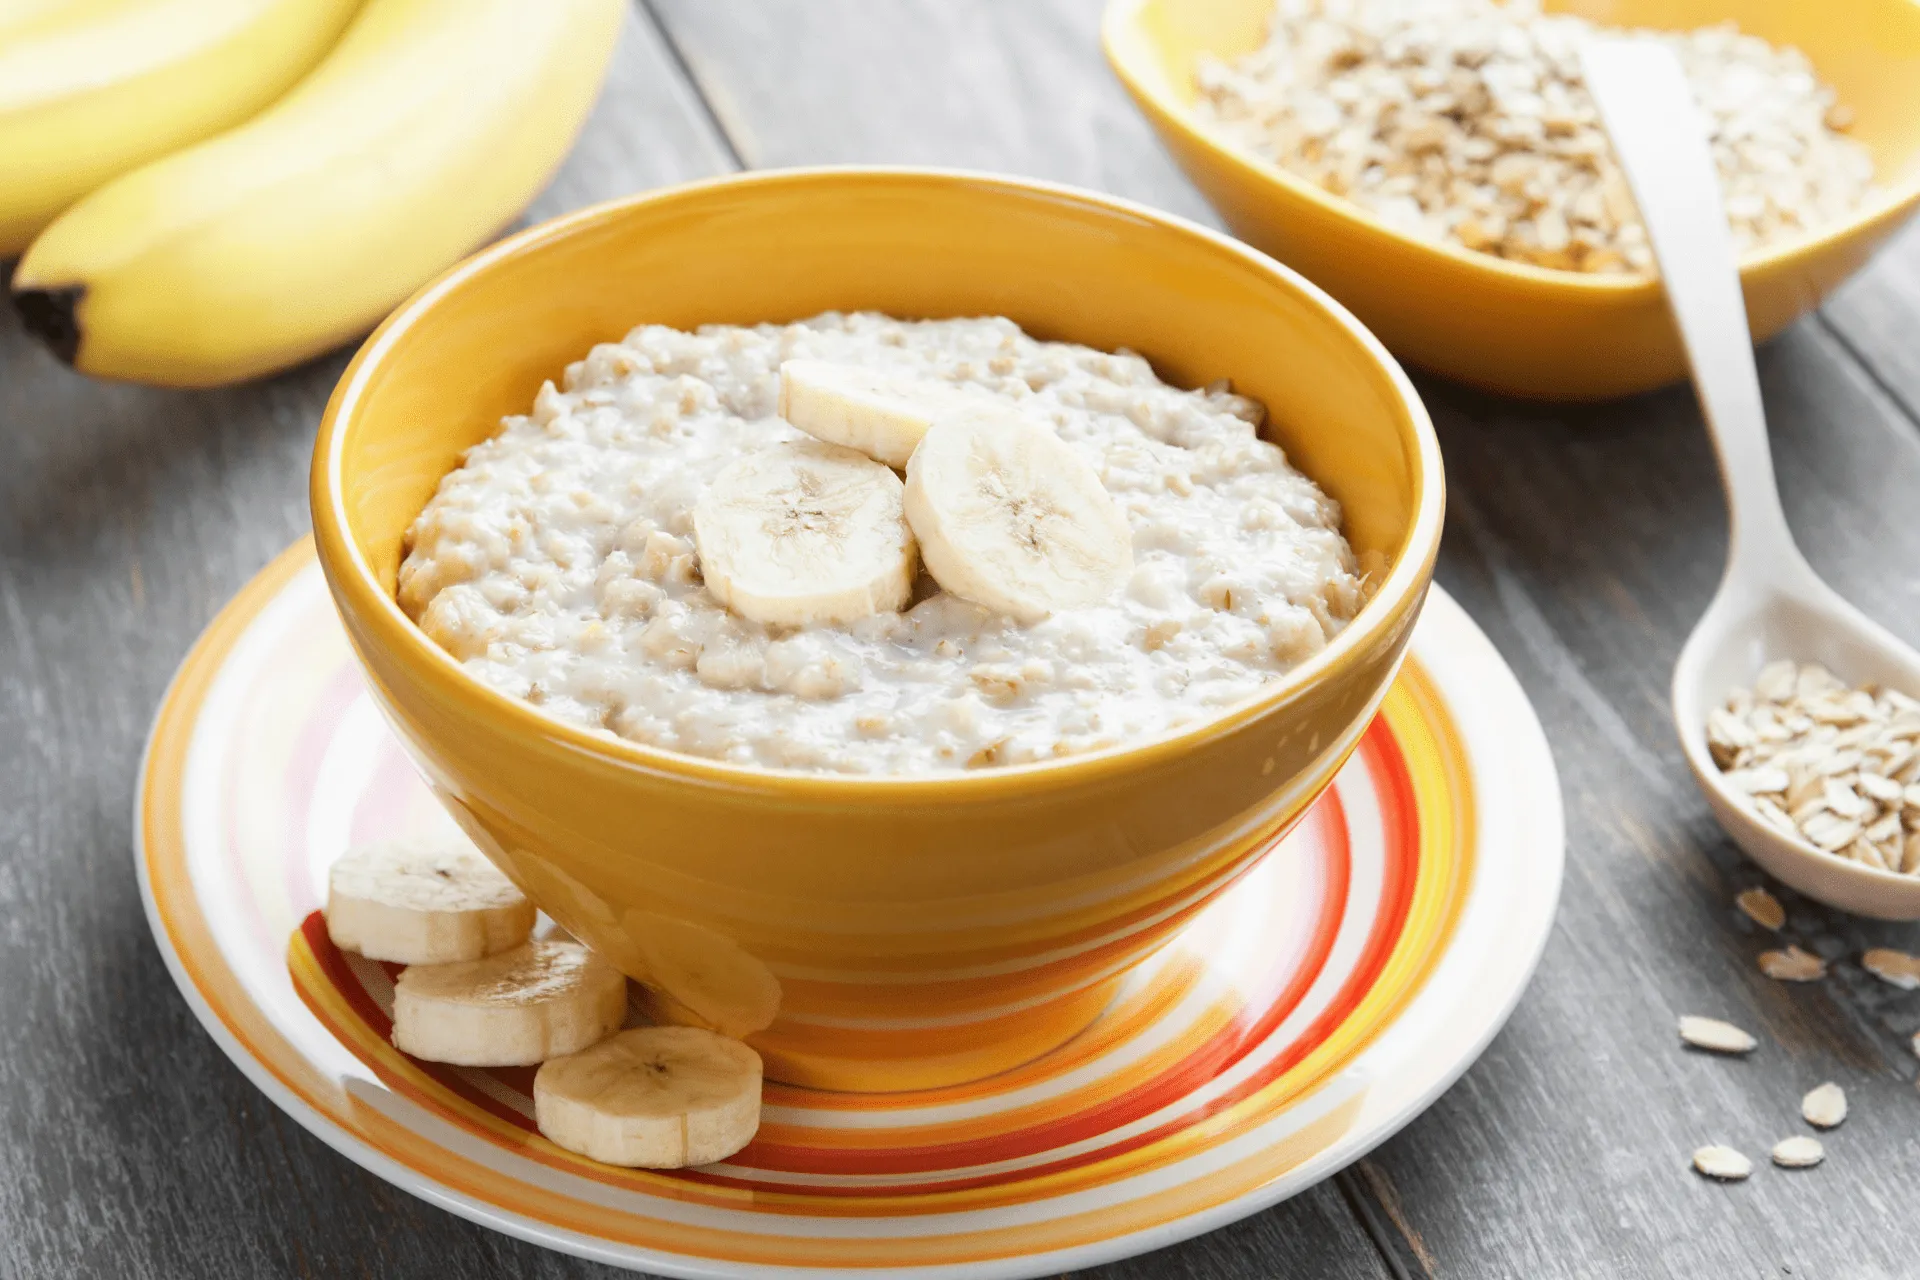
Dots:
{"x": 1872, "y": 314}
{"x": 1586, "y": 541}
{"x": 1015, "y": 86}
{"x": 129, "y": 1147}
{"x": 1564, "y": 1151}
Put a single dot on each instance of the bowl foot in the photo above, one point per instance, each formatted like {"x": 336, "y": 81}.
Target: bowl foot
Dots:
{"x": 892, "y": 1060}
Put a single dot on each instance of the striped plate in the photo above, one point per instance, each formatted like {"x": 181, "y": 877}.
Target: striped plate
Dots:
{"x": 1308, "y": 1014}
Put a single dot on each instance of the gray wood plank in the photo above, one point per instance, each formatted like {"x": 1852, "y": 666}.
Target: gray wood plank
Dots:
{"x": 1564, "y": 1151}
{"x": 1873, "y": 315}
{"x": 1586, "y": 541}
{"x": 128, "y": 1145}
{"x": 1015, "y": 86}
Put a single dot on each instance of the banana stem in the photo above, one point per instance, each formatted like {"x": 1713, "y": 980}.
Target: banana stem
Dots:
{"x": 53, "y": 316}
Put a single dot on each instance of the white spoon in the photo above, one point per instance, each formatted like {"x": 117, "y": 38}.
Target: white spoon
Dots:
{"x": 1770, "y": 604}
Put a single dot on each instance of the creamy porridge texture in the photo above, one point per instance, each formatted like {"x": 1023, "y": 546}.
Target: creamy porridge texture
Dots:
{"x": 558, "y": 563}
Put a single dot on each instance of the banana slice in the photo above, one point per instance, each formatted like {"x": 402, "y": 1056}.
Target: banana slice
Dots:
{"x": 652, "y": 1098}
{"x": 423, "y": 902}
{"x": 805, "y": 533}
{"x": 511, "y": 1010}
{"x": 696, "y": 977}
{"x": 881, "y": 413}
{"x": 1010, "y": 517}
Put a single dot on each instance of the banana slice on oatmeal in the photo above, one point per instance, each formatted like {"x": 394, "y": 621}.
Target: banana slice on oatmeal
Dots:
{"x": 880, "y": 412}
{"x": 805, "y": 534}
{"x": 1010, "y": 517}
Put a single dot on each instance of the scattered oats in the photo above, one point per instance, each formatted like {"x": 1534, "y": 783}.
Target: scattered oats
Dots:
{"x": 1775, "y": 683}
{"x": 1722, "y": 1163}
{"x": 1884, "y": 829}
{"x": 1844, "y": 800}
{"x": 1766, "y": 780}
{"x": 1715, "y": 1035}
{"x": 1825, "y": 1107}
{"x": 1793, "y": 965}
{"x": 1863, "y": 852}
{"x": 1467, "y": 121}
{"x": 1729, "y": 735}
{"x": 1776, "y": 680}
{"x": 1761, "y": 907}
{"x": 1830, "y": 832}
{"x": 1799, "y": 1152}
{"x": 1840, "y": 762}
{"x": 1776, "y": 815}
{"x": 1876, "y": 787}
{"x": 1831, "y": 765}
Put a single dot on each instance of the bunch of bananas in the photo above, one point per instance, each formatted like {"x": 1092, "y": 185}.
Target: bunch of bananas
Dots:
{"x": 210, "y": 190}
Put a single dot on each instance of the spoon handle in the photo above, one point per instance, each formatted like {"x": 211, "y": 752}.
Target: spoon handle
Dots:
{"x": 1661, "y": 141}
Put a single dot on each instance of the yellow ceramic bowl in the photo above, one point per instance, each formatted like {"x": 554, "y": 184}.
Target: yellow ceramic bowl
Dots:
{"x": 1520, "y": 329}
{"x": 923, "y": 930}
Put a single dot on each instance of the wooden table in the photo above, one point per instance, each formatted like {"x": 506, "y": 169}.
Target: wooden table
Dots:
{"x": 1584, "y": 540}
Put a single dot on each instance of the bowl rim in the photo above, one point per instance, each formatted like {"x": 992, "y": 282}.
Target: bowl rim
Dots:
{"x": 1121, "y": 33}
{"x": 354, "y": 583}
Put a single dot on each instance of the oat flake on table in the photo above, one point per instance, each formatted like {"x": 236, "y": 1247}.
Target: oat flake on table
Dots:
{"x": 1896, "y": 968}
{"x": 1714, "y": 1035}
{"x": 1761, "y": 907}
{"x": 1825, "y": 1106}
{"x": 1467, "y": 122}
{"x": 1799, "y": 1152}
{"x": 1723, "y": 1164}
{"x": 1793, "y": 965}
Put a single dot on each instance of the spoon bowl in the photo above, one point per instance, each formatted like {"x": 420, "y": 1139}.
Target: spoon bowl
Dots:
{"x": 1796, "y": 616}
{"x": 1770, "y": 605}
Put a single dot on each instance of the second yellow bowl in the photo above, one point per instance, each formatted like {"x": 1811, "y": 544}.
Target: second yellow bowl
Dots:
{"x": 1510, "y": 327}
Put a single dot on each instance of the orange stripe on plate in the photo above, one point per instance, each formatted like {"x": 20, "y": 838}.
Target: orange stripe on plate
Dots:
{"x": 1435, "y": 787}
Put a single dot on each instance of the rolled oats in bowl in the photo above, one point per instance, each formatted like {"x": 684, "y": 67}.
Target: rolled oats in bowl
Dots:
{"x": 1467, "y": 122}
{"x": 655, "y": 552}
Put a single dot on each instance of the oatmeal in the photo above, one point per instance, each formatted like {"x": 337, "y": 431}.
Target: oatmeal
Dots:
{"x": 1467, "y": 121}
{"x": 559, "y": 564}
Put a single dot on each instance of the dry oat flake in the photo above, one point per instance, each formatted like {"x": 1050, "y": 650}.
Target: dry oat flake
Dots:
{"x": 1824, "y": 1107}
{"x": 1824, "y": 762}
{"x": 1723, "y": 1164}
{"x": 1793, "y": 965}
{"x": 1799, "y": 1152}
{"x": 1761, "y": 907}
{"x": 1468, "y": 122}
{"x": 1895, "y": 967}
{"x": 1714, "y": 1035}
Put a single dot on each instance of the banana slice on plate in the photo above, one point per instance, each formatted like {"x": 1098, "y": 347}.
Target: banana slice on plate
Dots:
{"x": 696, "y": 977}
{"x": 511, "y": 1010}
{"x": 423, "y": 902}
{"x": 1010, "y": 517}
{"x": 880, "y": 412}
{"x": 652, "y": 1098}
{"x": 800, "y": 534}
